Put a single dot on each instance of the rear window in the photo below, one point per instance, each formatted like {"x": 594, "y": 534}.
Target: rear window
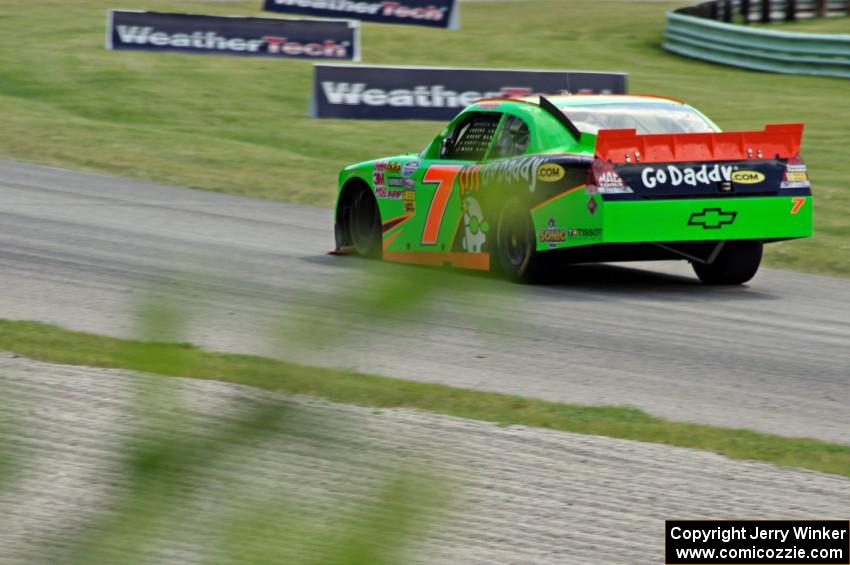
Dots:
{"x": 513, "y": 140}
{"x": 645, "y": 118}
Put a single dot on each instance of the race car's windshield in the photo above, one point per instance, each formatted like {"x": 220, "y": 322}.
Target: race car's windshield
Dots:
{"x": 645, "y": 118}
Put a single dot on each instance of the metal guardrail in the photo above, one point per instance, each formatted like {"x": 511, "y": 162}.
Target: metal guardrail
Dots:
{"x": 759, "y": 49}
{"x": 766, "y": 11}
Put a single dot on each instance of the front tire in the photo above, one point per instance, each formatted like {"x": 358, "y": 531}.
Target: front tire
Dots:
{"x": 365, "y": 224}
{"x": 736, "y": 263}
{"x": 516, "y": 248}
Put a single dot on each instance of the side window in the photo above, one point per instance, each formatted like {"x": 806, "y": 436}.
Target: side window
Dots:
{"x": 512, "y": 140}
{"x": 470, "y": 140}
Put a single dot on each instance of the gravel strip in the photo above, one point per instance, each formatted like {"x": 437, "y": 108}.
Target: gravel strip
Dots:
{"x": 515, "y": 494}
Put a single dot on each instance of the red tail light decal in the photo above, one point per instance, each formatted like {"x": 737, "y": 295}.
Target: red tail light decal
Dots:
{"x": 622, "y": 146}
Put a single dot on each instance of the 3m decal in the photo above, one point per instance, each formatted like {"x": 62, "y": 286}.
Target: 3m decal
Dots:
{"x": 712, "y": 218}
{"x": 797, "y": 204}
{"x": 747, "y": 177}
{"x": 378, "y": 180}
{"x": 444, "y": 176}
{"x": 551, "y": 172}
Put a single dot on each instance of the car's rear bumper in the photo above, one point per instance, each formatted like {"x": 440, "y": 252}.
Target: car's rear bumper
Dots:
{"x": 774, "y": 217}
{"x": 564, "y": 225}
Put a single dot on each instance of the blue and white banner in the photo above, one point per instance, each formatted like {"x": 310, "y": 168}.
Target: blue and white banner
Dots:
{"x": 263, "y": 37}
{"x": 431, "y": 13}
{"x": 435, "y": 93}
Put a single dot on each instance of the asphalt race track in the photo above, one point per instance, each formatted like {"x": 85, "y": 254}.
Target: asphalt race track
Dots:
{"x": 83, "y": 250}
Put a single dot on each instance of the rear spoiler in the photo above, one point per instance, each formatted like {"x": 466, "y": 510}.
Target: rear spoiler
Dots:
{"x": 620, "y": 146}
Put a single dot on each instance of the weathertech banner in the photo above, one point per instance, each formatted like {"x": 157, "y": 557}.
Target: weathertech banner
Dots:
{"x": 263, "y": 37}
{"x": 432, "y": 13}
{"x": 434, "y": 93}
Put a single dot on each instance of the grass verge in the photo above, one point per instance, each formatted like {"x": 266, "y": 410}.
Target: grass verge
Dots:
{"x": 57, "y": 345}
{"x": 240, "y": 125}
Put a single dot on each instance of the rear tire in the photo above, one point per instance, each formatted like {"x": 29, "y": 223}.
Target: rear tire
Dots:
{"x": 364, "y": 224}
{"x": 516, "y": 247}
{"x": 736, "y": 263}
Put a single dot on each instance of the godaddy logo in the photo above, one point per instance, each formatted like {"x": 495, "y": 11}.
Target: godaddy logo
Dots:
{"x": 691, "y": 176}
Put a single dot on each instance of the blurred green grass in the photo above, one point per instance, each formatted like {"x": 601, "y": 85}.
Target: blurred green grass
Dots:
{"x": 240, "y": 125}
{"x": 167, "y": 465}
{"x": 57, "y": 345}
{"x": 169, "y": 481}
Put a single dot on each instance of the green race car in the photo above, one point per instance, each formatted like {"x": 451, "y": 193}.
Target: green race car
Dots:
{"x": 522, "y": 185}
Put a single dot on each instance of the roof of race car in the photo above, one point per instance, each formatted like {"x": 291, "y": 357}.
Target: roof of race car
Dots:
{"x": 551, "y": 104}
{"x": 594, "y": 99}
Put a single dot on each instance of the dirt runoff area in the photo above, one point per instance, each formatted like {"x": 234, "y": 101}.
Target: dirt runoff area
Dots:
{"x": 509, "y": 494}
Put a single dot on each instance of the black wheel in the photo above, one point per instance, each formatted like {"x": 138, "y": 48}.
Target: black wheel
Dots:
{"x": 736, "y": 263}
{"x": 515, "y": 244}
{"x": 365, "y": 224}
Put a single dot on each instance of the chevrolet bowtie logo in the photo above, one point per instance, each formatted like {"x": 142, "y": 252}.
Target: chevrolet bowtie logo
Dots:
{"x": 712, "y": 218}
